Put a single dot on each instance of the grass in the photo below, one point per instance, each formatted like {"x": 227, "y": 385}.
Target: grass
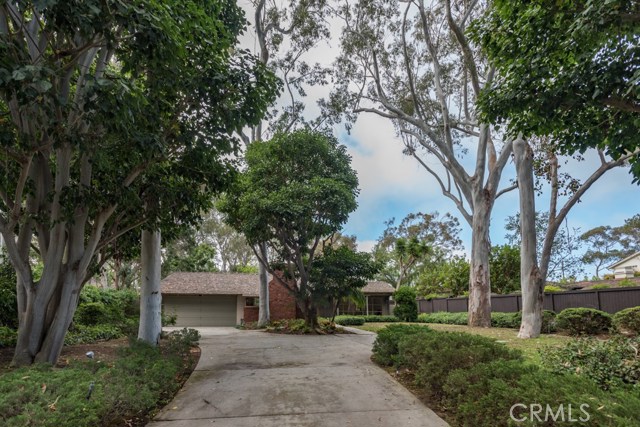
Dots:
{"x": 530, "y": 347}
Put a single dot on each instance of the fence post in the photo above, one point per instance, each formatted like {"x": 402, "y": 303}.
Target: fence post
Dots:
{"x": 598, "y": 298}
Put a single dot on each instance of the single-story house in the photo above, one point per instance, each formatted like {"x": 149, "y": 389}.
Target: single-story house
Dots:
{"x": 229, "y": 299}
{"x": 626, "y": 268}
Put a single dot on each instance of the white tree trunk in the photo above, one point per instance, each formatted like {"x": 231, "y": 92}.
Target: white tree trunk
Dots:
{"x": 530, "y": 279}
{"x": 150, "y": 296}
{"x": 264, "y": 316}
{"x": 479, "y": 281}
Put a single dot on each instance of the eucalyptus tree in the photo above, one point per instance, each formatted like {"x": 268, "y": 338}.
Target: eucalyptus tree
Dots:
{"x": 115, "y": 116}
{"x": 286, "y": 33}
{"x": 297, "y": 189}
{"x": 568, "y": 72}
{"x": 412, "y": 63}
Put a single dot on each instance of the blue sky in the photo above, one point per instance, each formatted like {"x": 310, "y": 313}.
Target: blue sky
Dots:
{"x": 393, "y": 185}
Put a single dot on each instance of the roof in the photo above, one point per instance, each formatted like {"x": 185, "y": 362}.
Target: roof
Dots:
{"x": 623, "y": 260}
{"x": 248, "y": 285}
{"x": 211, "y": 284}
{"x": 378, "y": 288}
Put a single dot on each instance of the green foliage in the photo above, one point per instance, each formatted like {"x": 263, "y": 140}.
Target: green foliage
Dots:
{"x": 186, "y": 255}
{"x": 504, "y": 267}
{"x": 385, "y": 347}
{"x": 140, "y": 379}
{"x": 506, "y": 320}
{"x": 406, "y": 308}
{"x": 627, "y": 320}
{"x": 444, "y": 317}
{"x": 569, "y": 70}
{"x": 609, "y": 276}
{"x": 349, "y": 320}
{"x": 8, "y": 337}
{"x": 82, "y": 334}
{"x": 180, "y": 342}
{"x": 624, "y": 283}
{"x": 583, "y": 321}
{"x": 600, "y": 286}
{"x": 450, "y": 276}
{"x": 92, "y": 313}
{"x": 610, "y": 363}
{"x": 299, "y": 327}
{"x": 552, "y": 289}
{"x": 371, "y": 318}
{"x": 8, "y": 298}
{"x": 548, "y": 322}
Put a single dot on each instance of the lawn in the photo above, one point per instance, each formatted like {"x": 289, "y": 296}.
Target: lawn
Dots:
{"x": 530, "y": 347}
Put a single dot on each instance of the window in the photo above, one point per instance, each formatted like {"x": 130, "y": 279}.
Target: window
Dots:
{"x": 251, "y": 301}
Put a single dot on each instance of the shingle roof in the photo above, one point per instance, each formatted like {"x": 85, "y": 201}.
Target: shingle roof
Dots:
{"x": 234, "y": 284}
{"x": 378, "y": 287}
{"x": 211, "y": 284}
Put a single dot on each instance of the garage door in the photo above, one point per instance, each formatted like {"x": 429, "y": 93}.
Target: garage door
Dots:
{"x": 205, "y": 310}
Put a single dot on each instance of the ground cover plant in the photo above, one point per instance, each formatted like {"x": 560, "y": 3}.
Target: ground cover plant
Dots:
{"x": 474, "y": 381}
{"x": 123, "y": 391}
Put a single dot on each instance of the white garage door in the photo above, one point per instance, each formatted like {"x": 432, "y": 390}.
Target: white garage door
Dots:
{"x": 201, "y": 310}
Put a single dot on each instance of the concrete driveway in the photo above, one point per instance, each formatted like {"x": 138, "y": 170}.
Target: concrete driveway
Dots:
{"x": 250, "y": 378}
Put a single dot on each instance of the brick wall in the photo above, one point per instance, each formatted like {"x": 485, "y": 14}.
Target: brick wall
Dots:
{"x": 282, "y": 305}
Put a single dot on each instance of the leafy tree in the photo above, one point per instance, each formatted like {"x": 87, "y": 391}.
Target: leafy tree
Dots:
{"x": 418, "y": 241}
{"x": 411, "y": 63}
{"x": 448, "y": 276}
{"x": 297, "y": 189}
{"x": 341, "y": 273}
{"x": 406, "y": 308}
{"x": 188, "y": 255}
{"x": 628, "y": 235}
{"x": 601, "y": 250}
{"x": 115, "y": 116}
{"x": 8, "y": 297}
{"x": 567, "y": 69}
{"x": 505, "y": 269}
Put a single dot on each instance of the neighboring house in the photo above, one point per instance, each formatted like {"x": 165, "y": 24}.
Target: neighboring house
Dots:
{"x": 627, "y": 267}
{"x": 229, "y": 299}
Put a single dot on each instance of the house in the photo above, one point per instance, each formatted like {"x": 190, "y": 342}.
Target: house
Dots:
{"x": 377, "y": 300}
{"x": 627, "y": 267}
{"x": 229, "y": 299}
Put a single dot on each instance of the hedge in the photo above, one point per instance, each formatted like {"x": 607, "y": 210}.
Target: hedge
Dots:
{"x": 583, "y": 321}
{"x": 627, "y": 320}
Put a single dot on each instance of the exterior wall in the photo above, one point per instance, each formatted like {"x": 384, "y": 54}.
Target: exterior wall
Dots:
{"x": 251, "y": 314}
{"x": 282, "y": 305}
{"x": 626, "y": 269}
{"x": 239, "y": 309}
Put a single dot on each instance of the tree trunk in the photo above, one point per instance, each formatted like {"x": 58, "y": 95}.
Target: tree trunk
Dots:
{"x": 150, "y": 296}
{"x": 479, "y": 282}
{"x": 263, "y": 303}
{"x": 531, "y": 280}
{"x": 310, "y": 313}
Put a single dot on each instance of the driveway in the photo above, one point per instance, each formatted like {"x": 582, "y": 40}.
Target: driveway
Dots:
{"x": 250, "y": 378}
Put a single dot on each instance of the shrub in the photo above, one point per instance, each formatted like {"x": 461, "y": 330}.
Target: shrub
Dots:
{"x": 506, "y": 320}
{"x": 600, "y": 286}
{"x": 8, "y": 337}
{"x": 180, "y": 342}
{"x": 552, "y": 289}
{"x": 636, "y": 274}
{"x": 628, "y": 320}
{"x": 88, "y": 334}
{"x": 385, "y": 347}
{"x": 8, "y": 306}
{"x": 609, "y": 363}
{"x": 609, "y": 276}
{"x": 548, "y": 321}
{"x": 380, "y": 318}
{"x": 92, "y": 313}
{"x": 433, "y": 356}
{"x": 627, "y": 283}
{"x": 406, "y": 308}
{"x": 583, "y": 321}
{"x": 349, "y": 320}
{"x": 444, "y": 317}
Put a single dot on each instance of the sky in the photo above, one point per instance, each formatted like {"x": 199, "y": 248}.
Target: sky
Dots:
{"x": 393, "y": 185}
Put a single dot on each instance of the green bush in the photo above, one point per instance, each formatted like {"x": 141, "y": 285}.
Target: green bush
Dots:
{"x": 609, "y": 276}
{"x": 609, "y": 363}
{"x": 553, "y": 289}
{"x": 483, "y": 395}
{"x": 506, "y": 320}
{"x": 444, "y": 317}
{"x": 583, "y": 321}
{"x": 406, "y": 308}
{"x": 8, "y": 305}
{"x": 8, "y": 337}
{"x": 628, "y": 320}
{"x": 349, "y": 320}
{"x": 433, "y": 356}
{"x": 92, "y": 313}
{"x": 625, "y": 283}
{"x": 89, "y": 334}
{"x": 548, "y": 322}
{"x": 600, "y": 286}
{"x": 380, "y": 318}
{"x": 180, "y": 342}
{"x": 385, "y": 347}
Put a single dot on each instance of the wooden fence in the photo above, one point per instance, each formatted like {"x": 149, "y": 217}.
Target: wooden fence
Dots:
{"x": 610, "y": 300}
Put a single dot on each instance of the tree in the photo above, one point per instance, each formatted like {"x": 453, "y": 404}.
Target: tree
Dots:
{"x": 568, "y": 69}
{"x": 115, "y": 116}
{"x": 406, "y": 308}
{"x": 297, "y": 189}
{"x": 601, "y": 247}
{"x": 412, "y": 63}
{"x": 187, "y": 255}
{"x": 416, "y": 242}
{"x": 341, "y": 273}
{"x": 444, "y": 277}
{"x": 628, "y": 235}
{"x": 505, "y": 269}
